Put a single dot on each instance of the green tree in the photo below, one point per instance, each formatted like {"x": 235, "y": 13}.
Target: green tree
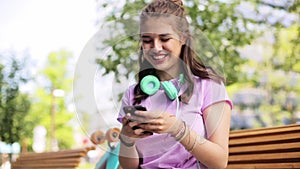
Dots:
{"x": 14, "y": 105}
{"x": 276, "y": 73}
{"x": 283, "y": 63}
{"x": 50, "y": 109}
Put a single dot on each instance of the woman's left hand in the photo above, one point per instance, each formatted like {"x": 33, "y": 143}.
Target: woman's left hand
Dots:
{"x": 157, "y": 121}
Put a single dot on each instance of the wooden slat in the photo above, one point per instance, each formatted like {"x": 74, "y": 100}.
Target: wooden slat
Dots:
{"x": 74, "y": 151}
{"x": 45, "y": 165}
{"x": 279, "y": 147}
{"x": 265, "y": 138}
{"x": 264, "y": 157}
{"x": 64, "y": 159}
{"x": 57, "y": 161}
{"x": 264, "y": 131}
{"x": 52, "y": 156}
{"x": 265, "y": 166}
{"x": 265, "y": 148}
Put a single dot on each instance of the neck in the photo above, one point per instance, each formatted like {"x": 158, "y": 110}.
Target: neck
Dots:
{"x": 165, "y": 76}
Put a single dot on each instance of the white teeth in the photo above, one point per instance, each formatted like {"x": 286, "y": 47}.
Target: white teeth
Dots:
{"x": 159, "y": 57}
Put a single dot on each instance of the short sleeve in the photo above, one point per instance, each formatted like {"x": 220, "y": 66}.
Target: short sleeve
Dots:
{"x": 213, "y": 93}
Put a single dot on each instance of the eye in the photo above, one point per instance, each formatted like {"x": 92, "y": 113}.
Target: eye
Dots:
{"x": 165, "y": 39}
{"x": 147, "y": 40}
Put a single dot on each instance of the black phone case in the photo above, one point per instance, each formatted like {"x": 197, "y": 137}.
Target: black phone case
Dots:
{"x": 132, "y": 109}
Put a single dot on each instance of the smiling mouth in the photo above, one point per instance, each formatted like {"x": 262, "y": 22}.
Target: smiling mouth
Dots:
{"x": 159, "y": 57}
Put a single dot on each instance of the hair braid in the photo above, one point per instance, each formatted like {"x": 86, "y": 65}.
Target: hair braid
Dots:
{"x": 174, "y": 7}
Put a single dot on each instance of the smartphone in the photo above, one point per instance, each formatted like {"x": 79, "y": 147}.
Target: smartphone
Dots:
{"x": 132, "y": 109}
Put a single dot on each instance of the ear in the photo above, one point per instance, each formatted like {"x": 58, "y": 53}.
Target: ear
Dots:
{"x": 183, "y": 40}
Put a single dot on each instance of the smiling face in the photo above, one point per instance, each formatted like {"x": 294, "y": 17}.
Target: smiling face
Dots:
{"x": 161, "y": 45}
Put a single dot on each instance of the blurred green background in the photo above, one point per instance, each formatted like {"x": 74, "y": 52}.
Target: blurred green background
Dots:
{"x": 257, "y": 42}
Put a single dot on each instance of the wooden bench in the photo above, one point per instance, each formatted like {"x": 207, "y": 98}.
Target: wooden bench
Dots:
{"x": 270, "y": 148}
{"x": 63, "y": 159}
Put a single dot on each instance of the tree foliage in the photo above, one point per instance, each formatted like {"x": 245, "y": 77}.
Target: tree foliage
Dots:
{"x": 14, "y": 105}
{"x": 55, "y": 75}
{"x": 275, "y": 72}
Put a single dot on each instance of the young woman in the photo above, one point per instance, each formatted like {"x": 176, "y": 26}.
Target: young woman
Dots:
{"x": 187, "y": 118}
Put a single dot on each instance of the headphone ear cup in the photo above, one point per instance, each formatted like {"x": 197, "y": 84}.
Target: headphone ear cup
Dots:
{"x": 150, "y": 84}
{"x": 170, "y": 89}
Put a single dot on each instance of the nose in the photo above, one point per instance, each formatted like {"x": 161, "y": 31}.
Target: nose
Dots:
{"x": 157, "y": 45}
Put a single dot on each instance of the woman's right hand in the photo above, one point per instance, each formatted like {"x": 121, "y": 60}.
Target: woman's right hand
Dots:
{"x": 130, "y": 131}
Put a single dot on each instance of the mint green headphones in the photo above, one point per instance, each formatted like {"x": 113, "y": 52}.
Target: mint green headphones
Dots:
{"x": 150, "y": 85}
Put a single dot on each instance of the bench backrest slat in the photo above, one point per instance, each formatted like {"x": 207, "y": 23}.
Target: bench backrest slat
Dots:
{"x": 265, "y": 148}
{"x": 265, "y": 166}
{"x": 280, "y": 147}
{"x": 67, "y": 159}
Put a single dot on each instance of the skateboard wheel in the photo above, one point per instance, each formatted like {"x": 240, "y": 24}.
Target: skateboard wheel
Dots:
{"x": 112, "y": 135}
{"x": 98, "y": 137}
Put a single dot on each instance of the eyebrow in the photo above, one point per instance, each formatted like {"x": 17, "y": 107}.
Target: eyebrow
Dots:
{"x": 161, "y": 35}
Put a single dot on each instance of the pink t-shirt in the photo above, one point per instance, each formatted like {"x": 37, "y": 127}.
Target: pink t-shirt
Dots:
{"x": 162, "y": 150}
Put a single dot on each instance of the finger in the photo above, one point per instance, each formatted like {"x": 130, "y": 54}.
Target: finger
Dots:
{"x": 148, "y": 114}
{"x": 139, "y": 119}
{"x": 152, "y": 128}
{"x": 142, "y": 133}
{"x": 133, "y": 123}
{"x": 145, "y": 116}
{"x": 154, "y": 122}
{"x": 138, "y": 131}
{"x": 124, "y": 121}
